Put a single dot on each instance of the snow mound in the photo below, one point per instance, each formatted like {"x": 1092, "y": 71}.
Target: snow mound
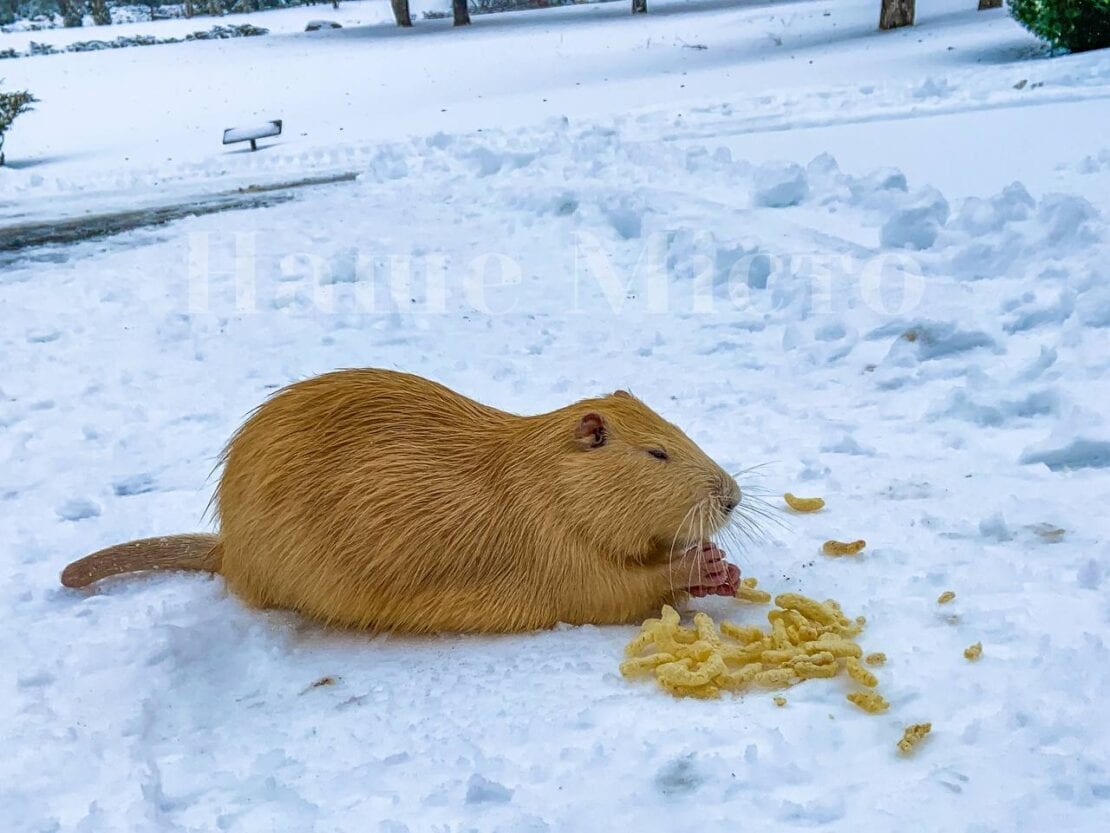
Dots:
{"x": 780, "y": 184}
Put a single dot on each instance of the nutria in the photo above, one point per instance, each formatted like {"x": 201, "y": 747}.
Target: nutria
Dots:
{"x": 381, "y": 500}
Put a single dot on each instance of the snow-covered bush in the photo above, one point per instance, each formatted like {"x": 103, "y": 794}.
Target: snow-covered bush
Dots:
{"x": 12, "y": 105}
{"x": 36, "y": 15}
{"x": 1075, "y": 25}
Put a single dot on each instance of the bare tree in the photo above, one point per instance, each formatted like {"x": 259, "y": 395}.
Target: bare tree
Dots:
{"x": 895, "y": 13}
{"x": 461, "y": 12}
{"x": 990, "y": 4}
{"x": 639, "y": 6}
{"x": 401, "y": 12}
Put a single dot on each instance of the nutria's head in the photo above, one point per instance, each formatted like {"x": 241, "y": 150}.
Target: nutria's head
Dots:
{"x": 634, "y": 483}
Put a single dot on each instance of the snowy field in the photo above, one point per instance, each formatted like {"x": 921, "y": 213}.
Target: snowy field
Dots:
{"x": 876, "y": 263}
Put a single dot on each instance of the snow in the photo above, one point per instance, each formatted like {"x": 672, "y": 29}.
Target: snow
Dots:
{"x": 881, "y": 277}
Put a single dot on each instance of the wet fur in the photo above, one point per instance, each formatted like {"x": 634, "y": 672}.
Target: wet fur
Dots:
{"x": 380, "y": 500}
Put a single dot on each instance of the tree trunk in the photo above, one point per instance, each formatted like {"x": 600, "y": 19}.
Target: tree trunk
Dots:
{"x": 72, "y": 12}
{"x": 462, "y": 13}
{"x": 990, "y": 4}
{"x": 401, "y": 12}
{"x": 639, "y": 6}
{"x": 189, "y": 8}
{"x": 100, "y": 14}
{"x": 896, "y": 13}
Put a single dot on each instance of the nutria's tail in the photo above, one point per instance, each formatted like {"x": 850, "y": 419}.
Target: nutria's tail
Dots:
{"x": 172, "y": 552}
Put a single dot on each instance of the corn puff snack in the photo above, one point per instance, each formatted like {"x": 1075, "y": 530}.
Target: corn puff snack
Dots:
{"x": 877, "y": 658}
{"x": 776, "y": 678}
{"x": 642, "y": 665}
{"x": 860, "y": 674}
{"x": 839, "y": 548}
{"x": 805, "y": 640}
{"x": 945, "y": 597}
{"x": 804, "y": 504}
{"x": 744, "y": 634}
{"x": 912, "y": 736}
{"x": 813, "y": 610}
{"x": 870, "y": 701}
{"x": 750, "y": 594}
{"x": 973, "y": 652}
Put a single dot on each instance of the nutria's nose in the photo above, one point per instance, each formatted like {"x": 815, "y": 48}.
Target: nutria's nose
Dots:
{"x": 729, "y": 496}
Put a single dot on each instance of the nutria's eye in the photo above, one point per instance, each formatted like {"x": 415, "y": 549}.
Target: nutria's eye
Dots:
{"x": 658, "y": 453}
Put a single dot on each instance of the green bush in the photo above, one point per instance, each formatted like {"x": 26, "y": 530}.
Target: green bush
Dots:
{"x": 12, "y": 105}
{"x": 1075, "y": 25}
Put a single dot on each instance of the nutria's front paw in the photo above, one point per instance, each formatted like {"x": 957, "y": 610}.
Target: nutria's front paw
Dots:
{"x": 708, "y": 573}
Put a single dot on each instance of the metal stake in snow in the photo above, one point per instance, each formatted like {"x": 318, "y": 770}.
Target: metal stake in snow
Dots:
{"x": 252, "y": 134}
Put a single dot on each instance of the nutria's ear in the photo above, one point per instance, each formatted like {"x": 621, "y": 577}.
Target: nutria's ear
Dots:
{"x": 623, "y": 394}
{"x": 591, "y": 431}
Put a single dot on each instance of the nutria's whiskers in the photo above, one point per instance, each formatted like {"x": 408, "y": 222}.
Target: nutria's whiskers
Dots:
{"x": 684, "y": 524}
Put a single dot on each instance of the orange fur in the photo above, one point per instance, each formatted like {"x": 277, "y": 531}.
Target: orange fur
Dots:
{"x": 381, "y": 500}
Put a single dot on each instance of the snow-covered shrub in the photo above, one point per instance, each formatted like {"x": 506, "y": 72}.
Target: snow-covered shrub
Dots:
{"x": 1075, "y": 25}
{"x": 11, "y": 106}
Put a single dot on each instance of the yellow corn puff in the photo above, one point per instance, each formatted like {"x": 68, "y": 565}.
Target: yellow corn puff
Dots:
{"x": 744, "y": 634}
{"x": 943, "y": 599}
{"x": 642, "y": 665}
{"x": 779, "y": 700}
{"x": 779, "y": 637}
{"x": 740, "y": 677}
{"x": 680, "y": 673}
{"x": 870, "y": 701}
{"x": 807, "y": 639}
{"x": 837, "y": 647}
{"x": 973, "y": 652}
{"x": 741, "y": 654}
{"x": 815, "y": 666}
{"x": 812, "y": 609}
{"x": 877, "y": 658}
{"x": 750, "y": 581}
{"x": 700, "y": 692}
{"x": 644, "y": 638}
{"x": 803, "y": 504}
{"x": 750, "y": 594}
{"x": 698, "y": 651}
{"x": 860, "y": 674}
{"x": 913, "y": 735}
{"x": 685, "y": 674}
{"x": 683, "y": 635}
{"x": 778, "y": 656}
{"x": 775, "y": 677}
{"x": 837, "y": 548}
{"x": 706, "y": 629}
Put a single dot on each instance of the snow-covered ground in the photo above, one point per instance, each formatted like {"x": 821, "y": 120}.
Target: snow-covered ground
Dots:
{"x": 883, "y": 274}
